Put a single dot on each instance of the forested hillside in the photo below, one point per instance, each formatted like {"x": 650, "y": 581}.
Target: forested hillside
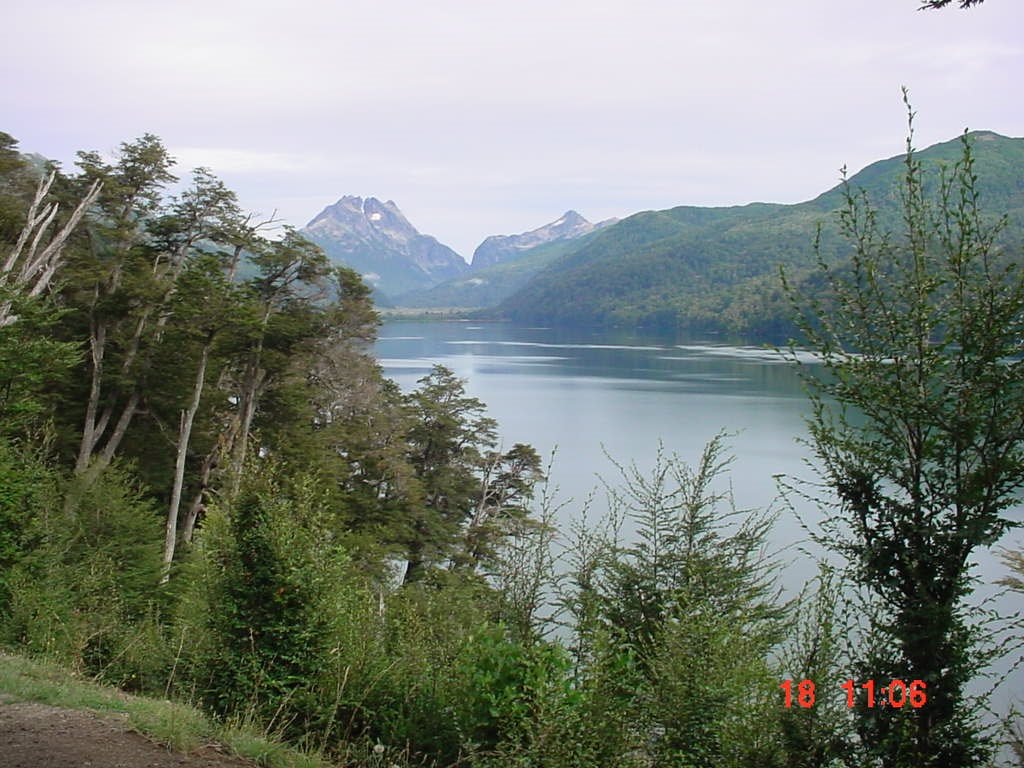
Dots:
{"x": 209, "y": 492}
{"x": 716, "y": 269}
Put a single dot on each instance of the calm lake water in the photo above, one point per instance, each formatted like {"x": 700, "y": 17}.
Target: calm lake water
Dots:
{"x": 591, "y": 396}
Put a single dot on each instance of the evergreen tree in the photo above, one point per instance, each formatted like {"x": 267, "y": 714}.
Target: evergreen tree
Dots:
{"x": 692, "y": 605}
{"x": 447, "y": 442}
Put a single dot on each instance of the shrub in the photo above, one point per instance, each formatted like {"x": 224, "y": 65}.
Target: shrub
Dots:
{"x": 27, "y": 487}
{"x": 90, "y": 568}
{"x": 261, "y": 606}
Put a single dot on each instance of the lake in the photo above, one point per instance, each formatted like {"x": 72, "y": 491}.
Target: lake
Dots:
{"x": 594, "y": 395}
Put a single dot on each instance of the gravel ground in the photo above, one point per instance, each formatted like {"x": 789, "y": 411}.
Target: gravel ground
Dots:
{"x": 39, "y": 736}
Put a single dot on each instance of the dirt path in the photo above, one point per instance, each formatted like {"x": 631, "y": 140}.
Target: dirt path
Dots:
{"x": 39, "y": 736}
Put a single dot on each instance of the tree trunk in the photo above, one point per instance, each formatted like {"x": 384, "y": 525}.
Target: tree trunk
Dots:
{"x": 107, "y": 454}
{"x": 184, "y": 435}
{"x": 97, "y": 343}
{"x": 250, "y": 396}
{"x": 198, "y": 504}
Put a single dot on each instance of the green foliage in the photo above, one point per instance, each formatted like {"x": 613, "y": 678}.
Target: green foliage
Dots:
{"x": 263, "y": 601}
{"x": 695, "y": 599}
{"x": 689, "y": 555}
{"x": 17, "y": 179}
{"x": 91, "y": 572}
{"x": 286, "y": 612}
{"x": 674, "y": 632}
{"x": 33, "y": 364}
{"x": 714, "y": 694}
{"x": 818, "y": 648}
{"x": 28, "y": 486}
{"x": 508, "y": 685}
{"x": 190, "y": 318}
{"x": 918, "y": 429}
{"x": 390, "y": 674}
{"x": 471, "y": 498}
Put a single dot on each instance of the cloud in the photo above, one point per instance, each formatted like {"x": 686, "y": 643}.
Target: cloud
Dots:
{"x": 224, "y": 160}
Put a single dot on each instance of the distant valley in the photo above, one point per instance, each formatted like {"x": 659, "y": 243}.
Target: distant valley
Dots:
{"x": 709, "y": 269}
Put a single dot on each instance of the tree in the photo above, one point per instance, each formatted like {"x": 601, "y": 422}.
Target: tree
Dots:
{"x": 206, "y": 307}
{"x": 269, "y": 579}
{"x": 689, "y": 554}
{"x": 502, "y": 508}
{"x": 196, "y": 294}
{"x": 918, "y": 428}
{"x": 33, "y": 237}
{"x": 470, "y": 497}
{"x": 447, "y": 442}
{"x": 118, "y": 282}
{"x": 933, "y": 4}
{"x": 694, "y": 600}
{"x": 672, "y": 634}
{"x": 291, "y": 273}
{"x": 27, "y": 271}
{"x": 336, "y": 411}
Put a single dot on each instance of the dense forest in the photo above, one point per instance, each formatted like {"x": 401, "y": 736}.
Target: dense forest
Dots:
{"x": 716, "y": 269}
{"x": 208, "y": 491}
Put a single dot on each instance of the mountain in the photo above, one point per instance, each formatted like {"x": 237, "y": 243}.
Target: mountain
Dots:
{"x": 504, "y": 263}
{"x": 489, "y": 286}
{"x": 497, "y": 249}
{"x": 716, "y": 269}
{"x": 376, "y": 240}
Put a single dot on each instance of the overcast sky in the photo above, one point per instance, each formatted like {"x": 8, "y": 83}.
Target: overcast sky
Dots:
{"x": 482, "y": 117}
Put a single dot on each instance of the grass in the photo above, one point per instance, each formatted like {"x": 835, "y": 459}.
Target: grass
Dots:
{"x": 176, "y": 725}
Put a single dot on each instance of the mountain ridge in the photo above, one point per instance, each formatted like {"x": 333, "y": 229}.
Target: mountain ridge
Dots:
{"x": 716, "y": 269}
{"x": 712, "y": 268}
{"x": 502, "y": 248}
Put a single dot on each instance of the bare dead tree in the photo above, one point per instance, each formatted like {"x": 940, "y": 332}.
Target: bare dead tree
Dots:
{"x": 29, "y": 268}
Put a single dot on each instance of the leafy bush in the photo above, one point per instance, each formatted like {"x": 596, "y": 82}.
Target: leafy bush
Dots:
{"x": 406, "y": 687}
{"x": 674, "y": 632}
{"x": 506, "y": 685}
{"x": 27, "y": 487}
{"x": 90, "y": 569}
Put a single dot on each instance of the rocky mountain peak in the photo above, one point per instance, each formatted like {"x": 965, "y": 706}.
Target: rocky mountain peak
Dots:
{"x": 502, "y": 248}
{"x": 377, "y": 240}
{"x": 367, "y": 217}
